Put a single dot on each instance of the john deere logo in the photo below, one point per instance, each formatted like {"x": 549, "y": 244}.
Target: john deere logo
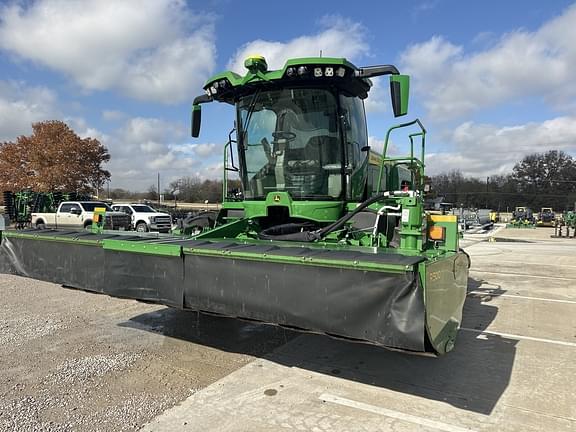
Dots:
{"x": 276, "y": 198}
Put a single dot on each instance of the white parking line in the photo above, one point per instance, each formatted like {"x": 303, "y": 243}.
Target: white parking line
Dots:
{"x": 393, "y": 414}
{"x": 525, "y": 263}
{"x": 513, "y": 336}
{"x": 523, "y": 275}
{"x": 493, "y": 294}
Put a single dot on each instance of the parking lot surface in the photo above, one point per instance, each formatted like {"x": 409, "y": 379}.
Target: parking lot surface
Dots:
{"x": 78, "y": 361}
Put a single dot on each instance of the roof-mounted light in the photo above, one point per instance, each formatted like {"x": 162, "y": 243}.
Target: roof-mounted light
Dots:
{"x": 317, "y": 71}
{"x": 219, "y": 87}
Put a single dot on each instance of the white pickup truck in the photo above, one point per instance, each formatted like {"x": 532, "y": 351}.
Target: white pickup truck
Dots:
{"x": 79, "y": 214}
{"x": 145, "y": 218}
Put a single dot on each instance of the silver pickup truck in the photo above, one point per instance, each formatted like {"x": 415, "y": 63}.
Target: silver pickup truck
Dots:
{"x": 79, "y": 214}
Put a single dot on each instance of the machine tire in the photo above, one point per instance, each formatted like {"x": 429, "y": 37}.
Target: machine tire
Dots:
{"x": 141, "y": 227}
{"x": 88, "y": 226}
{"x": 40, "y": 225}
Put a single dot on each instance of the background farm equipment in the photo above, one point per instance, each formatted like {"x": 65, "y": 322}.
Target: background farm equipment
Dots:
{"x": 546, "y": 217}
{"x": 522, "y": 217}
{"x": 19, "y": 206}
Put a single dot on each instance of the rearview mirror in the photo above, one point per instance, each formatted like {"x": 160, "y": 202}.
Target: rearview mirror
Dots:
{"x": 196, "y": 120}
{"x": 399, "y": 91}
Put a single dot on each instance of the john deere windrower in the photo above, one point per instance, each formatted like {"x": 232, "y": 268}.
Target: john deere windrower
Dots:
{"x": 326, "y": 236}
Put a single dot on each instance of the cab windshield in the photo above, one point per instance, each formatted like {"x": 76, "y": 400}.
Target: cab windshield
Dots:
{"x": 289, "y": 140}
{"x": 143, "y": 209}
{"x": 90, "y": 206}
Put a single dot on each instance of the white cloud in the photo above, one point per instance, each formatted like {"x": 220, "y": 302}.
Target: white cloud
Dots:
{"x": 155, "y": 50}
{"x": 520, "y": 64}
{"x": 143, "y": 147}
{"x": 113, "y": 115}
{"x": 20, "y": 106}
{"x": 205, "y": 149}
{"x": 338, "y": 38}
{"x": 483, "y": 149}
{"x": 377, "y": 145}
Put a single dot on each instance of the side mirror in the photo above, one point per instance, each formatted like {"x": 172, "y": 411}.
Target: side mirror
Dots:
{"x": 75, "y": 211}
{"x": 399, "y": 91}
{"x": 196, "y": 120}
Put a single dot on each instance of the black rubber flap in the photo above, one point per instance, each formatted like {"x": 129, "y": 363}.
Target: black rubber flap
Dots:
{"x": 383, "y": 308}
{"x": 152, "y": 278}
{"x": 71, "y": 264}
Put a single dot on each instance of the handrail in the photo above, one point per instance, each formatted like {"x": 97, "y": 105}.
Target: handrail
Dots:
{"x": 411, "y": 136}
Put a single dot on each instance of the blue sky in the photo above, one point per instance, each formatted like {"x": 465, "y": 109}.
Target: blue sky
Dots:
{"x": 492, "y": 81}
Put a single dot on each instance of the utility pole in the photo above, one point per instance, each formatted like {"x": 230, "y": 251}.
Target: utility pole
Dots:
{"x": 158, "y": 190}
{"x": 487, "y": 180}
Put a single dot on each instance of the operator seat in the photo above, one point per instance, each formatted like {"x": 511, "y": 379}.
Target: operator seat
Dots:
{"x": 305, "y": 166}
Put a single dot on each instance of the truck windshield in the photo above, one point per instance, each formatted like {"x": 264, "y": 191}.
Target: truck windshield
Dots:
{"x": 143, "y": 209}
{"x": 90, "y": 206}
{"x": 289, "y": 140}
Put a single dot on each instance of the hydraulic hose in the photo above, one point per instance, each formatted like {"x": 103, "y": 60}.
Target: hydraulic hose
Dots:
{"x": 288, "y": 231}
{"x": 340, "y": 222}
{"x": 294, "y": 231}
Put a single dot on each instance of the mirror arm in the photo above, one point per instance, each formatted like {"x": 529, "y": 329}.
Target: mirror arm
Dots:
{"x": 202, "y": 99}
{"x": 374, "y": 71}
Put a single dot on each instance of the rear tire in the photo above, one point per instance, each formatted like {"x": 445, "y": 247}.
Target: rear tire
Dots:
{"x": 141, "y": 227}
{"x": 41, "y": 226}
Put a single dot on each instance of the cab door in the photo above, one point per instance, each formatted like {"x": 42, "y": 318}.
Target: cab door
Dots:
{"x": 63, "y": 216}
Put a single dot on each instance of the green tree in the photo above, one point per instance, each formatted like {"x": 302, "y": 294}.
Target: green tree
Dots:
{"x": 546, "y": 180}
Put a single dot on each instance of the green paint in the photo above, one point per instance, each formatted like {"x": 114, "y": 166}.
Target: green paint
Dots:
{"x": 302, "y": 168}
{"x": 445, "y": 281}
{"x": 142, "y": 247}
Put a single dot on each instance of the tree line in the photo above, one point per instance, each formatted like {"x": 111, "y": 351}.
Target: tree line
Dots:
{"x": 538, "y": 180}
{"x": 55, "y": 158}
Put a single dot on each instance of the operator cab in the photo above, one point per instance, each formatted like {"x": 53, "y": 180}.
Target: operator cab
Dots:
{"x": 291, "y": 139}
{"x": 301, "y": 130}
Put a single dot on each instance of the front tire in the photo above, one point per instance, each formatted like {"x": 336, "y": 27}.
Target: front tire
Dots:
{"x": 141, "y": 227}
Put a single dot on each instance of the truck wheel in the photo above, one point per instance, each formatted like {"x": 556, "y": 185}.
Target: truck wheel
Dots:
{"x": 141, "y": 227}
{"x": 40, "y": 225}
{"x": 88, "y": 226}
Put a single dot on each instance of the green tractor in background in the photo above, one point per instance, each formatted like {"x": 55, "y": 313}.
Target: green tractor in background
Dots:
{"x": 546, "y": 217}
{"x": 326, "y": 236}
{"x": 565, "y": 224}
{"x": 522, "y": 217}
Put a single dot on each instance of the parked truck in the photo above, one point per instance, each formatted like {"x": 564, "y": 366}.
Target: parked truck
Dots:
{"x": 80, "y": 214}
{"x": 144, "y": 218}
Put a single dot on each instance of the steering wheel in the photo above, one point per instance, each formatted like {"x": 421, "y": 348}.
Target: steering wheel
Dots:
{"x": 288, "y": 136}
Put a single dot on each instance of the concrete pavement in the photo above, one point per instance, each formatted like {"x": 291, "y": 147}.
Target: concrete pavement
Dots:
{"x": 513, "y": 368}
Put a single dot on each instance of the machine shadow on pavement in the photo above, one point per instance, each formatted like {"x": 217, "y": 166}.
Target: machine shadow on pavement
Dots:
{"x": 473, "y": 377}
